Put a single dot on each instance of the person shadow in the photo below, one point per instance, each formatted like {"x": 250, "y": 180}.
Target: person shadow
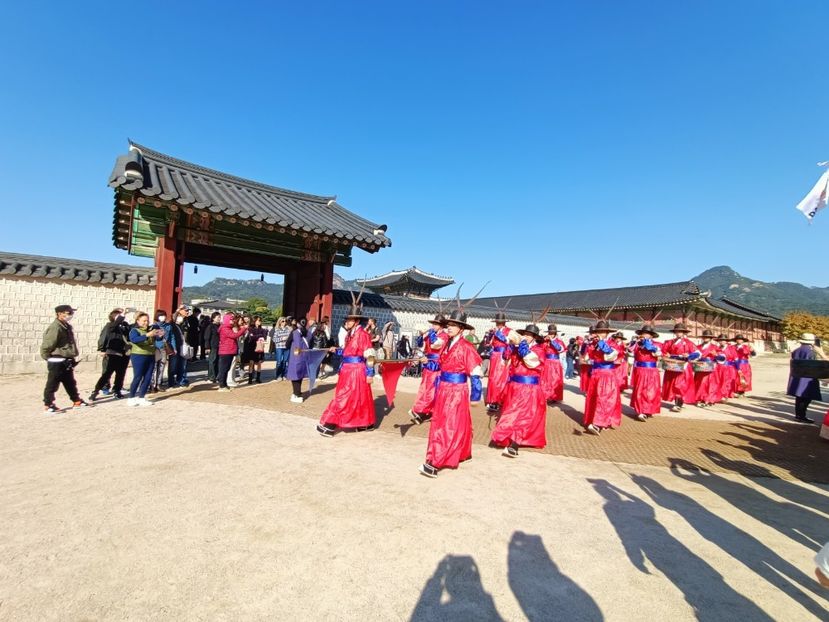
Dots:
{"x": 743, "y": 547}
{"x": 455, "y": 592}
{"x": 542, "y": 590}
{"x": 801, "y": 524}
{"x": 644, "y": 538}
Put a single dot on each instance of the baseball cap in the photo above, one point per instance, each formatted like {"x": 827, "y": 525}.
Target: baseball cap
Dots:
{"x": 64, "y": 309}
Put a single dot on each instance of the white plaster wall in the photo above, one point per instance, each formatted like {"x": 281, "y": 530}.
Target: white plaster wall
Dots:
{"x": 27, "y": 307}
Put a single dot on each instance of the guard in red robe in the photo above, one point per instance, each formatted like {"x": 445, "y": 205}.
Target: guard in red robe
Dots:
{"x": 553, "y": 374}
{"x": 523, "y": 418}
{"x": 585, "y": 364}
{"x": 603, "y": 404}
{"x": 646, "y": 398}
{"x": 742, "y": 384}
{"x": 498, "y": 363}
{"x": 705, "y": 382}
{"x": 433, "y": 342}
{"x": 726, "y": 370}
{"x": 450, "y": 435}
{"x": 678, "y": 387}
{"x": 622, "y": 370}
{"x": 353, "y": 405}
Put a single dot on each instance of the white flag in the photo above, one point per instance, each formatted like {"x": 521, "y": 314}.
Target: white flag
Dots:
{"x": 816, "y": 199}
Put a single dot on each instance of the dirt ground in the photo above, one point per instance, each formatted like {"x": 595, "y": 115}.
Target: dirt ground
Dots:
{"x": 228, "y": 506}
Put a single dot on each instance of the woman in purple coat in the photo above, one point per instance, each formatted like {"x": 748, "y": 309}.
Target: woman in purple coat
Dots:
{"x": 804, "y": 390}
{"x": 297, "y": 344}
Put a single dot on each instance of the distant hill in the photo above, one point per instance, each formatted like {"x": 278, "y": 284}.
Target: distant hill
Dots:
{"x": 240, "y": 289}
{"x": 775, "y": 298}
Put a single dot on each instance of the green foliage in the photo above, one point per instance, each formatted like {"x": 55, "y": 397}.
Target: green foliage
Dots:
{"x": 795, "y": 323}
{"x": 259, "y": 306}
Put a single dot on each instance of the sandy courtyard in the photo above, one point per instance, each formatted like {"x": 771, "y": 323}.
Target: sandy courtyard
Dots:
{"x": 209, "y": 507}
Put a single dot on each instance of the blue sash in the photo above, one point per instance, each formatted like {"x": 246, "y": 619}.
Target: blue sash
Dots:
{"x": 433, "y": 357}
{"x": 353, "y": 359}
{"x": 645, "y": 364}
{"x": 499, "y": 349}
{"x": 603, "y": 366}
{"x": 524, "y": 379}
{"x": 741, "y": 361}
{"x": 554, "y": 357}
{"x": 447, "y": 376}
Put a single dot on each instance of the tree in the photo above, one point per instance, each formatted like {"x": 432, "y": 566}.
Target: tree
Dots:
{"x": 259, "y": 306}
{"x": 795, "y": 323}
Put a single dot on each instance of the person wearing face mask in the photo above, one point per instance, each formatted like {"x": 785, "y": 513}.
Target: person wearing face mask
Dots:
{"x": 113, "y": 344}
{"x": 177, "y": 375}
{"x": 60, "y": 350}
{"x": 166, "y": 348}
{"x": 211, "y": 346}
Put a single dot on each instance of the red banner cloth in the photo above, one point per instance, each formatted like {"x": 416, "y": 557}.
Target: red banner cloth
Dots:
{"x": 391, "y": 375}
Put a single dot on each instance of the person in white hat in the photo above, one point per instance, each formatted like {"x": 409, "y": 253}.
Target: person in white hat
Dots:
{"x": 804, "y": 390}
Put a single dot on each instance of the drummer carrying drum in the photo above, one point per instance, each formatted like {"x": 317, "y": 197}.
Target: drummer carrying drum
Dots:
{"x": 804, "y": 388}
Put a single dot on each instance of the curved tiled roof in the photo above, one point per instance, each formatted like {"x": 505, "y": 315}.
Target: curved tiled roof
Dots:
{"x": 413, "y": 274}
{"x": 428, "y": 306}
{"x": 737, "y": 308}
{"x": 619, "y": 298}
{"x": 37, "y": 266}
{"x": 159, "y": 176}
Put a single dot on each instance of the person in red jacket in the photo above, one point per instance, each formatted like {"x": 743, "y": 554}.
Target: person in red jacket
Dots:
{"x": 646, "y": 397}
{"x": 678, "y": 386}
{"x": 705, "y": 382}
{"x": 352, "y": 406}
{"x": 603, "y": 404}
{"x": 726, "y": 370}
{"x": 585, "y": 365}
{"x": 553, "y": 374}
{"x": 744, "y": 353}
{"x": 523, "y": 419}
{"x": 498, "y": 363}
{"x": 450, "y": 435}
{"x": 622, "y": 370}
{"x": 229, "y": 335}
{"x": 433, "y": 342}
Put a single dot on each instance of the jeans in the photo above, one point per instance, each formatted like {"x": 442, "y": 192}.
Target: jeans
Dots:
{"x": 57, "y": 374}
{"x": 113, "y": 364}
{"x": 569, "y": 371}
{"x": 225, "y": 363}
{"x": 173, "y": 367}
{"x": 281, "y": 362}
{"x": 181, "y": 372}
{"x": 142, "y": 373}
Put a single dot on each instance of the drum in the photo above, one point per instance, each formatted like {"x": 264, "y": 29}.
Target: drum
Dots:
{"x": 703, "y": 366}
{"x": 673, "y": 365}
{"x": 806, "y": 368}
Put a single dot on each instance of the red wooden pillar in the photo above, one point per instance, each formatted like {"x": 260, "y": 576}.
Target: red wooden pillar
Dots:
{"x": 168, "y": 274}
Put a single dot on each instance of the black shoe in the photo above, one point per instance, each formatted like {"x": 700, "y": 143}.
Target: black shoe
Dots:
{"x": 325, "y": 431}
{"x": 93, "y": 396}
{"x": 510, "y": 452}
{"x": 118, "y": 395}
{"x": 804, "y": 420}
{"x": 415, "y": 417}
{"x": 51, "y": 408}
{"x": 428, "y": 470}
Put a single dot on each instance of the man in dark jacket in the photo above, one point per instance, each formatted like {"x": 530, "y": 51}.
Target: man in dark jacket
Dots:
{"x": 211, "y": 346}
{"x": 114, "y": 345}
{"x": 803, "y": 389}
{"x": 60, "y": 350}
{"x": 204, "y": 322}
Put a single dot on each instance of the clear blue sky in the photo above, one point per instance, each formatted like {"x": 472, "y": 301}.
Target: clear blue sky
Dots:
{"x": 545, "y": 146}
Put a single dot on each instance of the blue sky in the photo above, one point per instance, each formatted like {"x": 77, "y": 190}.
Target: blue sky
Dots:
{"x": 540, "y": 145}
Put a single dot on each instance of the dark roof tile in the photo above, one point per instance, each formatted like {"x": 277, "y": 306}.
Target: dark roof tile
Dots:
{"x": 18, "y": 264}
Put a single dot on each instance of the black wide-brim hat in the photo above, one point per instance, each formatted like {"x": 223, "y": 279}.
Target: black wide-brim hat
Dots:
{"x": 707, "y": 334}
{"x": 500, "y": 316}
{"x": 439, "y": 319}
{"x": 680, "y": 328}
{"x": 602, "y": 326}
{"x": 647, "y": 328}
{"x": 552, "y": 328}
{"x": 532, "y": 330}
{"x": 356, "y": 313}
{"x": 458, "y": 318}
{"x": 740, "y": 337}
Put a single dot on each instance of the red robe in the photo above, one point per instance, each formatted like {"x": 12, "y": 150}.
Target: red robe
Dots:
{"x": 705, "y": 383}
{"x": 744, "y": 353}
{"x": 679, "y": 384}
{"x": 726, "y": 373}
{"x": 353, "y": 404}
{"x": 450, "y": 435}
{"x": 585, "y": 368}
{"x": 498, "y": 368}
{"x": 523, "y": 418}
{"x": 425, "y": 399}
{"x": 646, "y": 397}
{"x": 603, "y": 404}
{"x": 553, "y": 375}
{"x": 622, "y": 366}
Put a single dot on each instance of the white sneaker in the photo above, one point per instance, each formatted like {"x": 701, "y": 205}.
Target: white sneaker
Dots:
{"x": 297, "y": 399}
{"x": 132, "y": 401}
{"x": 143, "y": 401}
{"x": 591, "y": 429}
{"x": 641, "y": 417}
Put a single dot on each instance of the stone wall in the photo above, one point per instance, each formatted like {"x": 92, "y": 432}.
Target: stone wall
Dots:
{"x": 27, "y": 308}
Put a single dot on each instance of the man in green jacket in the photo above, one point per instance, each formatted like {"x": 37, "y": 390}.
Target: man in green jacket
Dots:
{"x": 59, "y": 350}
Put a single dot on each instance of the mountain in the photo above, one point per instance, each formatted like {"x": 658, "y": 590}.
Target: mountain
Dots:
{"x": 240, "y": 289}
{"x": 775, "y": 298}
{"x": 235, "y": 289}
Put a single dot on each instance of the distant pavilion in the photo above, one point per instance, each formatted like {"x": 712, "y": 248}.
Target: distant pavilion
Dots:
{"x": 411, "y": 282}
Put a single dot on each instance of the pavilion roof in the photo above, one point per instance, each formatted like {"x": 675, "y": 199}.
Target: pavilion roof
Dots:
{"x": 620, "y": 298}
{"x": 38, "y": 266}
{"x": 738, "y": 308}
{"x": 411, "y": 274}
{"x": 161, "y": 177}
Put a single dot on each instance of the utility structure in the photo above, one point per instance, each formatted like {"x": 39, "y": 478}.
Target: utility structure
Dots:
{"x": 177, "y": 212}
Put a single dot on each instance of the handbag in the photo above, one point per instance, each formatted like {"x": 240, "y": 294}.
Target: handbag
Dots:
{"x": 168, "y": 349}
{"x": 260, "y": 345}
{"x": 187, "y": 351}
